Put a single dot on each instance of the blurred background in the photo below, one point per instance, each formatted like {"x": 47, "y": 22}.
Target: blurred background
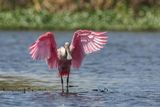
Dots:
{"x": 80, "y": 14}
{"x": 125, "y": 73}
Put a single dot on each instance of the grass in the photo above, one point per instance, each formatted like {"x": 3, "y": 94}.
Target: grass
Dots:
{"x": 28, "y": 19}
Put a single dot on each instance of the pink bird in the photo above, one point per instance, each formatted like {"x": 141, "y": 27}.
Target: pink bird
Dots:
{"x": 71, "y": 54}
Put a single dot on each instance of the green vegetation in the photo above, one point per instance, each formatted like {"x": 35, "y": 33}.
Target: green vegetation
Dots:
{"x": 20, "y": 83}
{"x": 99, "y": 20}
{"x": 48, "y": 15}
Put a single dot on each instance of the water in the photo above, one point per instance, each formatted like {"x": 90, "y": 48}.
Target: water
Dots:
{"x": 124, "y": 74}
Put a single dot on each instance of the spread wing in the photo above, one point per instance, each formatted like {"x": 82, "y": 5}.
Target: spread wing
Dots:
{"x": 45, "y": 48}
{"x": 85, "y": 42}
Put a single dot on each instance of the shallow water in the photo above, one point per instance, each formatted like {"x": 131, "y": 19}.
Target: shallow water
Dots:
{"x": 124, "y": 74}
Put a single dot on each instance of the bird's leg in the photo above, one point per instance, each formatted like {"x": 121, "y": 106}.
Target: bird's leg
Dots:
{"x": 67, "y": 82}
{"x": 62, "y": 84}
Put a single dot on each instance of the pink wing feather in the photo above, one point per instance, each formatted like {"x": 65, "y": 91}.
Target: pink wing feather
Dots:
{"x": 85, "y": 42}
{"x": 45, "y": 48}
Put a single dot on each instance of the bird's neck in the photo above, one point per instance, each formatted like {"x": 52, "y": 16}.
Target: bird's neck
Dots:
{"x": 68, "y": 54}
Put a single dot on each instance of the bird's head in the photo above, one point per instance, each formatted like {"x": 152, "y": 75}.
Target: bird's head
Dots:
{"x": 66, "y": 45}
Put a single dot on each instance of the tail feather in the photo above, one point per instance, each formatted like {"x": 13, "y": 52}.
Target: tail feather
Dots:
{"x": 63, "y": 73}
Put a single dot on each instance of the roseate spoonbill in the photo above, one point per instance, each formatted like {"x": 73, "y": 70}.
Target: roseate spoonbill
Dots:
{"x": 71, "y": 54}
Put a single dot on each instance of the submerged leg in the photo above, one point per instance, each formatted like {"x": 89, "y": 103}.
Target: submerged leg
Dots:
{"x": 62, "y": 84}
